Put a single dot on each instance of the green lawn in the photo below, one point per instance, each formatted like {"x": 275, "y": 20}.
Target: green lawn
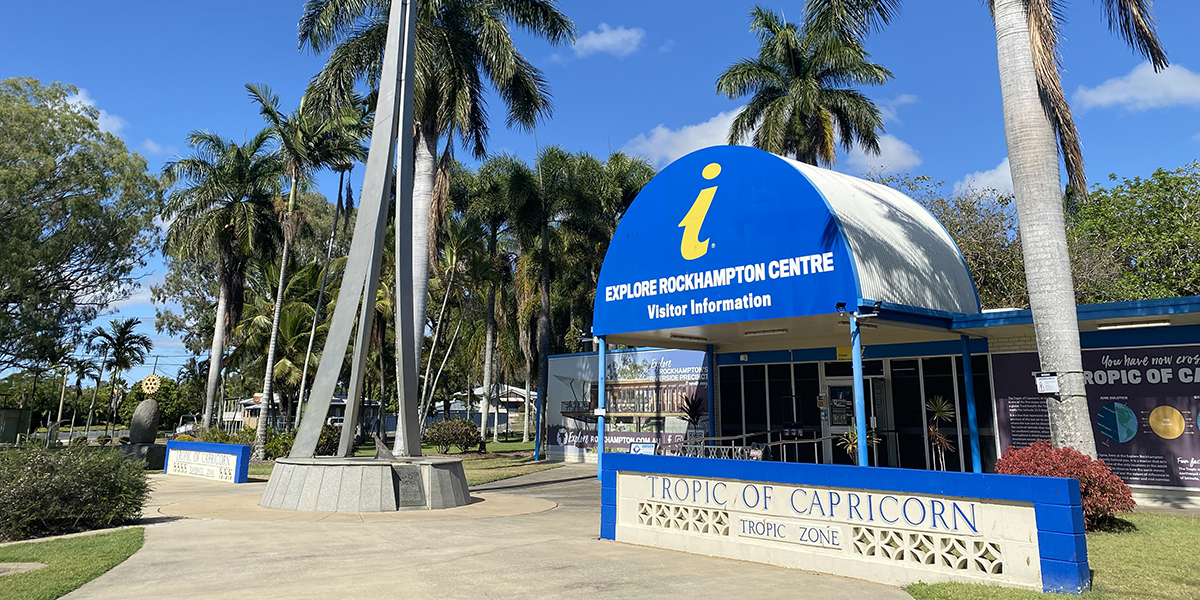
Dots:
{"x": 70, "y": 563}
{"x": 1155, "y": 562}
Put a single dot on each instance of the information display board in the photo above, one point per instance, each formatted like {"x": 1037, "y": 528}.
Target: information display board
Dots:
{"x": 1143, "y": 403}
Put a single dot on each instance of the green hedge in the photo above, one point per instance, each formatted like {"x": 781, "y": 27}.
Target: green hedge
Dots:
{"x": 48, "y": 492}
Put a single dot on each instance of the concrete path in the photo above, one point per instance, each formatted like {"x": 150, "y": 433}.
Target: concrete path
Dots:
{"x": 552, "y": 553}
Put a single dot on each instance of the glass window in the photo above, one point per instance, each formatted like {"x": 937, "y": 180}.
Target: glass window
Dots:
{"x": 939, "y": 383}
{"x": 731, "y": 400}
{"x": 779, "y": 380}
{"x": 754, "y": 388}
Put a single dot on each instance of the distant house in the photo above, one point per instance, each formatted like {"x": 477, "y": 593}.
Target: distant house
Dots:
{"x": 507, "y": 414}
{"x": 237, "y": 413}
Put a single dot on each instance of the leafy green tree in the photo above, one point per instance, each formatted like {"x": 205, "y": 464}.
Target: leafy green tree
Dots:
{"x": 222, "y": 215}
{"x": 125, "y": 349}
{"x": 462, "y": 46}
{"x": 1152, "y": 228}
{"x": 1037, "y": 123}
{"x": 801, "y": 88}
{"x": 76, "y": 209}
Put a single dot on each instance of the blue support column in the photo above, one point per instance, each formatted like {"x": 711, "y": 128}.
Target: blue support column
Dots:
{"x": 969, "y": 388}
{"x": 860, "y": 405}
{"x": 712, "y": 391}
{"x": 537, "y": 436}
{"x": 601, "y": 404}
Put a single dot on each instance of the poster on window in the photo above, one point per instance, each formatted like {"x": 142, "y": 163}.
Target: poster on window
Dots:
{"x": 653, "y": 397}
{"x": 1143, "y": 404}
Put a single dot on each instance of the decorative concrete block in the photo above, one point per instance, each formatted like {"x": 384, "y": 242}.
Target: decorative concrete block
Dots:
{"x": 366, "y": 484}
{"x": 331, "y": 486}
{"x": 351, "y": 490}
{"x": 311, "y": 491}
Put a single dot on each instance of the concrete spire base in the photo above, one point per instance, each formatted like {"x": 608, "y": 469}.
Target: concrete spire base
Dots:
{"x": 366, "y": 484}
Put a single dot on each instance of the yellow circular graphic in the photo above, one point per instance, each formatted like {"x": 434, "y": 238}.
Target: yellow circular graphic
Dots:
{"x": 151, "y": 382}
{"x": 1167, "y": 422}
{"x": 711, "y": 171}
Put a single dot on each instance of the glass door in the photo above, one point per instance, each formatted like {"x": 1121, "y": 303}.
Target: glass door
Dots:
{"x": 837, "y": 417}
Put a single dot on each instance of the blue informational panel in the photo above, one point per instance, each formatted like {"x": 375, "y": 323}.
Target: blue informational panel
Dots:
{"x": 893, "y": 526}
{"x": 725, "y": 234}
{"x": 220, "y": 462}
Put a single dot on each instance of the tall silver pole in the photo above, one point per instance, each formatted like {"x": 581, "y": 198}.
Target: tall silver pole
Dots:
{"x": 366, "y": 246}
{"x": 408, "y": 427}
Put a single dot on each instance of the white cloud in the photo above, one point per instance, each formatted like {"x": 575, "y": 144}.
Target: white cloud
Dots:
{"x": 619, "y": 42}
{"x": 154, "y": 148}
{"x": 1143, "y": 89}
{"x": 139, "y": 298}
{"x": 109, "y": 122}
{"x": 667, "y": 46}
{"x": 999, "y": 179}
{"x": 895, "y": 155}
{"x": 887, "y": 107}
{"x": 663, "y": 145}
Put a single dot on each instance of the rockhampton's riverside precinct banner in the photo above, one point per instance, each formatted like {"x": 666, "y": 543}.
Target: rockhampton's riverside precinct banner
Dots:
{"x": 646, "y": 389}
{"x": 1144, "y": 403}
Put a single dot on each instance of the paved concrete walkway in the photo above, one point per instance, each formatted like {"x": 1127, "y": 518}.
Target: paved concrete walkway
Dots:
{"x": 551, "y": 551}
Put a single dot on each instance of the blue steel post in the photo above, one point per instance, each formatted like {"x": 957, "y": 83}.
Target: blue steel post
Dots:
{"x": 537, "y": 436}
{"x": 712, "y": 393}
{"x": 972, "y": 423}
{"x": 860, "y": 405}
{"x": 601, "y": 404}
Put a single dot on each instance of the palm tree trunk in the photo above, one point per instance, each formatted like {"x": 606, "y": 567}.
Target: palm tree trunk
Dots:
{"x": 424, "y": 173}
{"x": 489, "y": 341}
{"x": 215, "y": 355}
{"x": 1033, "y": 159}
{"x": 543, "y": 334}
{"x": 528, "y": 399}
{"x": 289, "y": 232}
{"x": 312, "y": 333}
{"x": 260, "y": 436}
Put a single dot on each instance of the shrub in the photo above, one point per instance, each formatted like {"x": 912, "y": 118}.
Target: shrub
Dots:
{"x": 453, "y": 432}
{"x": 78, "y": 441}
{"x": 184, "y": 438}
{"x": 216, "y": 435}
{"x": 1103, "y": 493}
{"x": 327, "y": 444}
{"x": 48, "y": 492}
{"x": 279, "y": 445}
{"x": 103, "y": 439}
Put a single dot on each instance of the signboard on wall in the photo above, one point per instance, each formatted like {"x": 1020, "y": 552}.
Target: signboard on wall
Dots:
{"x": 1143, "y": 402}
{"x": 647, "y": 390}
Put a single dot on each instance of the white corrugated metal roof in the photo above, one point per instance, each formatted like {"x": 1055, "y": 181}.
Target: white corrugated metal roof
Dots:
{"x": 901, "y": 253}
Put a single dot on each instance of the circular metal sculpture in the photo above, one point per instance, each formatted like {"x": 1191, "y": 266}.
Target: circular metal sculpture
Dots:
{"x": 151, "y": 384}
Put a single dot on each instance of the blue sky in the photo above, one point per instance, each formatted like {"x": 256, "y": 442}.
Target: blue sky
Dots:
{"x": 640, "y": 78}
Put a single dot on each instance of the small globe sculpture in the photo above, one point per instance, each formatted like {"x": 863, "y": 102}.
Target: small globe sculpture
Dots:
{"x": 151, "y": 384}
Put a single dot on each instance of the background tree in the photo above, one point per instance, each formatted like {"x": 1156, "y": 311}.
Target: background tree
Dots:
{"x": 802, "y": 100}
{"x": 1151, "y": 227}
{"x": 76, "y": 209}
{"x": 224, "y": 214}
{"x": 125, "y": 348}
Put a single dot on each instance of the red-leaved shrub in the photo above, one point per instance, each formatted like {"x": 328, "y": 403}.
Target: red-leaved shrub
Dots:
{"x": 1103, "y": 494}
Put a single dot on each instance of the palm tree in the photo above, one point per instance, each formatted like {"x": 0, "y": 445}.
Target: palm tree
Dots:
{"x": 565, "y": 190}
{"x": 801, "y": 88}
{"x": 308, "y": 140}
{"x": 461, "y": 44}
{"x": 1037, "y": 125}
{"x": 224, "y": 213}
{"x": 125, "y": 348}
{"x": 84, "y": 368}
